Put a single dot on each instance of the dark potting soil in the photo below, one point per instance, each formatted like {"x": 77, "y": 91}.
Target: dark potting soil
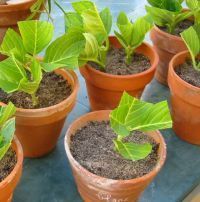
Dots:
{"x": 116, "y": 64}
{"x": 53, "y": 90}
{"x": 93, "y": 148}
{"x": 187, "y": 72}
{"x": 7, "y": 164}
{"x": 180, "y": 27}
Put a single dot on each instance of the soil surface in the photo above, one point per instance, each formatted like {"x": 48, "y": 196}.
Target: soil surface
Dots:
{"x": 53, "y": 90}
{"x": 187, "y": 72}
{"x": 180, "y": 27}
{"x": 116, "y": 64}
{"x": 93, "y": 148}
{"x": 7, "y": 164}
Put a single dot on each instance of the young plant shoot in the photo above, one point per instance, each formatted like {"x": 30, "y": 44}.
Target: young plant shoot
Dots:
{"x": 194, "y": 6}
{"x": 7, "y": 128}
{"x": 167, "y": 13}
{"x": 131, "y": 34}
{"x": 23, "y": 70}
{"x": 133, "y": 114}
{"x": 191, "y": 37}
{"x": 95, "y": 27}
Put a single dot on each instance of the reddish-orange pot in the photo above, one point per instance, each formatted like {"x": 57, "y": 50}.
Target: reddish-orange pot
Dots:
{"x": 185, "y": 100}
{"x": 7, "y": 186}
{"x": 11, "y": 14}
{"x": 105, "y": 90}
{"x": 38, "y": 129}
{"x": 166, "y": 45}
{"x": 93, "y": 188}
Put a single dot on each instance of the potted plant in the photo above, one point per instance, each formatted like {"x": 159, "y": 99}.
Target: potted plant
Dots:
{"x": 11, "y": 155}
{"x": 170, "y": 20}
{"x": 184, "y": 74}
{"x": 43, "y": 93}
{"x": 112, "y": 64}
{"x": 114, "y": 159}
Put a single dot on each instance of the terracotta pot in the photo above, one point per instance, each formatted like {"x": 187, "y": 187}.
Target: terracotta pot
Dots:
{"x": 38, "y": 129}
{"x": 95, "y": 188}
{"x": 11, "y": 14}
{"x": 166, "y": 45}
{"x": 7, "y": 186}
{"x": 185, "y": 101}
{"x": 105, "y": 90}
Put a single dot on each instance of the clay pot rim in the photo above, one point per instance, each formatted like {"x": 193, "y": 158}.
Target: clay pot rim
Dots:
{"x": 156, "y": 169}
{"x": 172, "y": 67}
{"x": 74, "y": 92}
{"x": 10, "y": 6}
{"x": 152, "y": 67}
{"x": 168, "y": 35}
{"x": 19, "y": 153}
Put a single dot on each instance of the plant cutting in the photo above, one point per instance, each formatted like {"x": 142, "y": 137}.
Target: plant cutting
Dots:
{"x": 43, "y": 93}
{"x": 184, "y": 83}
{"x": 112, "y": 64}
{"x": 108, "y": 148}
{"x": 170, "y": 20}
{"x": 11, "y": 155}
{"x": 12, "y": 12}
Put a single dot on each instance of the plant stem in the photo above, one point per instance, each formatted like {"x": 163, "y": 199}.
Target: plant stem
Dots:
{"x": 102, "y": 65}
{"x": 34, "y": 99}
{"x": 129, "y": 53}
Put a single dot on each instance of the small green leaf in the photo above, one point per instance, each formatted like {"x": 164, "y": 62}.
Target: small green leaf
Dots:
{"x": 36, "y": 35}
{"x": 133, "y": 114}
{"x": 6, "y": 113}
{"x": 12, "y": 43}
{"x": 64, "y": 51}
{"x": 194, "y": 6}
{"x": 106, "y": 18}
{"x": 192, "y": 41}
{"x": 132, "y": 151}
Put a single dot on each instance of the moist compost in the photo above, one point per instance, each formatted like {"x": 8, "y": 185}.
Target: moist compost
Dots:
{"x": 187, "y": 72}
{"x": 116, "y": 63}
{"x": 93, "y": 148}
{"x": 180, "y": 27}
{"x": 53, "y": 90}
{"x": 7, "y": 164}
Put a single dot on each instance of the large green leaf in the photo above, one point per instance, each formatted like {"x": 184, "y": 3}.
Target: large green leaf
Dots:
{"x": 132, "y": 151}
{"x": 73, "y": 20}
{"x": 12, "y": 43}
{"x": 64, "y": 51}
{"x": 106, "y": 18}
{"x": 91, "y": 18}
{"x": 36, "y": 35}
{"x": 133, "y": 114}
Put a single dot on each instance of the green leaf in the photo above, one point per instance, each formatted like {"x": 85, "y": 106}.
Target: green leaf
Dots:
{"x": 132, "y": 151}
{"x": 161, "y": 17}
{"x": 133, "y": 114}
{"x": 11, "y": 72}
{"x": 36, "y": 35}
{"x": 64, "y": 51}
{"x": 125, "y": 27}
{"x": 194, "y": 6}
{"x": 191, "y": 37}
{"x": 140, "y": 29}
{"x": 90, "y": 53}
{"x": 73, "y": 20}
{"x": 106, "y": 18}
{"x": 7, "y": 132}
{"x": 91, "y": 19}
{"x": 12, "y": 43}
{"x": 6, "y": 113}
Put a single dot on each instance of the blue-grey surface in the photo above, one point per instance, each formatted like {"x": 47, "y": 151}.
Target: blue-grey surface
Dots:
{"x": 49, "y": 179}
